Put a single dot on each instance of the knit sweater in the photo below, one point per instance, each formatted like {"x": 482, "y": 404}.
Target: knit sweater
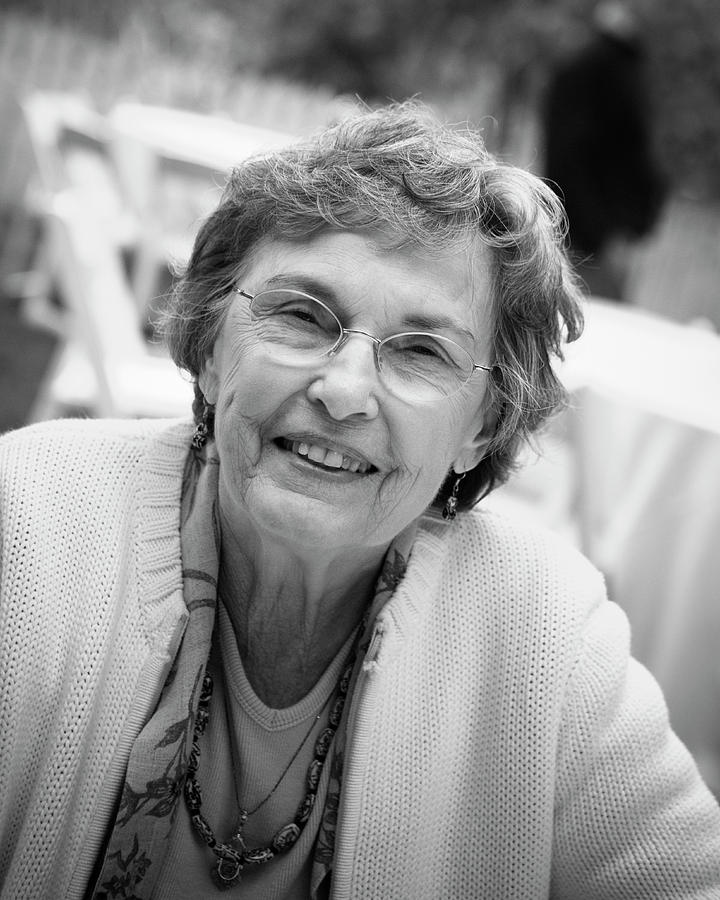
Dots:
{"x": 502, "y": 743}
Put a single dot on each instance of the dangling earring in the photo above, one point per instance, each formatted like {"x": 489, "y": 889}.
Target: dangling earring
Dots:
{"x": 450, "y": 509}
{"x": 202, "y": 429}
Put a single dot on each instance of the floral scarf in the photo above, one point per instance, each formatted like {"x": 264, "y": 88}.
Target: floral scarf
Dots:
{"x": 158, "y": 760}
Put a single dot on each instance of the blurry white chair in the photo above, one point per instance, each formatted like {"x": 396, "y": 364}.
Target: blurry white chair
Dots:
{"x": 104, "y": 366}
{"x": 68, "y": 140}
{"x": 214, "y": 141}
{"x": 173, "y": 165}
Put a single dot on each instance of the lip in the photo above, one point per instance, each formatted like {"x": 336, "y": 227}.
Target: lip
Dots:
{"x": 355, "y": 458}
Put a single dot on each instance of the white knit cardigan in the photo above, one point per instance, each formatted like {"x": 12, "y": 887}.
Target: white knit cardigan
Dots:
{"x": 502, "y": 742}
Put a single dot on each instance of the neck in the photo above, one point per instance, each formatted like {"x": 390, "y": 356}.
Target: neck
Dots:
{"x": 291, "y": 612}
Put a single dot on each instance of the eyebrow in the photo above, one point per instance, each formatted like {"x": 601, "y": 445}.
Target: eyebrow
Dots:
{"x": 320, "y": 290}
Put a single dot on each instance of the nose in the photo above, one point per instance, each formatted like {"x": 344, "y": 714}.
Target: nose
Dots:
{"x": 347, "y": 381}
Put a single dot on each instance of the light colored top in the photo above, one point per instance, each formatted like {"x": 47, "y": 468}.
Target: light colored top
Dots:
{"x": 501, "y": 741}
{"x": 266, "y": 740}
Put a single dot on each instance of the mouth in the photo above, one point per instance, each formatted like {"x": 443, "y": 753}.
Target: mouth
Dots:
{"x": 326, "y": 457}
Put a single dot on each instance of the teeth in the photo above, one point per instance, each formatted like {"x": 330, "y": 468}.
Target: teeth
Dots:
{"x": 333, "y": 459}
{"x": 330, "y": 458}
{"x": 317, "y": 454}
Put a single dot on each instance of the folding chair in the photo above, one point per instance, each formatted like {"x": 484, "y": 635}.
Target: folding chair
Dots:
{"x": 68, "y": 140}
{"x": 173, "y": 164}
{"x": 104, "y": 366}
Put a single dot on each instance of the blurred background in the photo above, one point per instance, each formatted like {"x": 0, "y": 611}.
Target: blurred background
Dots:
{"x": 118, "y": 122}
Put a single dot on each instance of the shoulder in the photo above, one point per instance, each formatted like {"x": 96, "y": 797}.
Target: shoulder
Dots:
{"x": 71, "y": 463}
{"x": 508, "y": 546}
{"x": 516, "y": 568}
{"x": 89, "y": 509}
{"x": 80, "y": 442}
{"x": 119, "y": 431}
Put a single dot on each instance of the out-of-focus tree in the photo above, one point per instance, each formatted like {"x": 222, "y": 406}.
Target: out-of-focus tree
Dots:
{"x": 101, "y": 18}
{"x": 683, "y": 41}
{"x": 476, "y": 58}
{"x": 375, "y": 48}
{"x": 440, "y": 48}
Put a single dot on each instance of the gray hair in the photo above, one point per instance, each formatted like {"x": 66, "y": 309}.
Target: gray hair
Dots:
{"x": 400, "y": 170}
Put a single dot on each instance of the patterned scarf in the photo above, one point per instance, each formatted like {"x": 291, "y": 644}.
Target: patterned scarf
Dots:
{"x": 158, "y": 760}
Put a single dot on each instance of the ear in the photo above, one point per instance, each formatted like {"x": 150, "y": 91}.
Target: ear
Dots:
{"x": 208, "y": 380}
{"x": 476, "y": 445}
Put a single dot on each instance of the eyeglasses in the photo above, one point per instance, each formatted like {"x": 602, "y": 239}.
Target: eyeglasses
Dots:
{"x": 298, "y": 329}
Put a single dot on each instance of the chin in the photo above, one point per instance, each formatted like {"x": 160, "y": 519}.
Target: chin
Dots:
{"x": 302, "y": 521}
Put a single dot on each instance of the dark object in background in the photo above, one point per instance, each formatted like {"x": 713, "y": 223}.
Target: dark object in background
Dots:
{"x": 598, "y": 148}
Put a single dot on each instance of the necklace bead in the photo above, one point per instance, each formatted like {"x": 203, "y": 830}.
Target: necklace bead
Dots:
{"x": 233, "y": 856}
{"x": 285, "y": 837}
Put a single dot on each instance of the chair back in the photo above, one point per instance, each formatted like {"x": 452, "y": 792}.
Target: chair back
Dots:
{"x": 94, "y": 289}
{"x": 131, "y": 380}
{"x": 69, "y": 142}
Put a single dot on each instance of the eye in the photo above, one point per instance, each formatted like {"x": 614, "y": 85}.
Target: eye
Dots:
{"x": 424, "y": 349}
{"x": 431, "y": 357}
{"x": 301, "y": 312}
{"x": 291, "y": 306}
{"x": 421, "y": 346}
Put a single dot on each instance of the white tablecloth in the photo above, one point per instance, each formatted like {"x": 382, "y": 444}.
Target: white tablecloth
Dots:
{"x": 632, "y": 473}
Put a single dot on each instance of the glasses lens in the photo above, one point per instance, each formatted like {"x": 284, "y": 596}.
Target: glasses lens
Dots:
{"x": 423, "y": 366}
{"x": 293, "y": 324}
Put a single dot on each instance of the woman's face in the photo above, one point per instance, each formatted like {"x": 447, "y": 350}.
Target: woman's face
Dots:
{"x": 284, "y": 432}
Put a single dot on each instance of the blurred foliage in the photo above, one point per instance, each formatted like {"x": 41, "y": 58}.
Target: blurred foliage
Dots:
{"x": 381, "y": 48}
{"x": 474, "y": 58}
{"x": 684, "y": 44}
{"x": 393, "y": 48}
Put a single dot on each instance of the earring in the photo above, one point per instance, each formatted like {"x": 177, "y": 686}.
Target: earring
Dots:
{"x": 450, "y": 509}
{"x": 202, "y": 429}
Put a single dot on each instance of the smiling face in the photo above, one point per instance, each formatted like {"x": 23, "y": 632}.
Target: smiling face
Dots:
{"x": 323, "y": 456}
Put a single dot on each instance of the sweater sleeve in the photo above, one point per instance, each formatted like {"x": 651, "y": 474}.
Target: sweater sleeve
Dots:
{"x": 633, "y": 818}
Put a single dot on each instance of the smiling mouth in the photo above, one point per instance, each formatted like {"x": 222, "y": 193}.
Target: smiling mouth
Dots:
{"x": 325, "y": 458}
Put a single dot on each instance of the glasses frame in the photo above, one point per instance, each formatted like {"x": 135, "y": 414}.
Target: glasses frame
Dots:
{"x": 377, "y": 342}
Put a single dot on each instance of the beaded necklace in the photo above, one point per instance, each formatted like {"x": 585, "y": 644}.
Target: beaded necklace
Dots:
{"x": 232, "y": 856}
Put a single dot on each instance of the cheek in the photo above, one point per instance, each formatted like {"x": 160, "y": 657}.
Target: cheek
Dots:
{"x": 251, "y": 394}
{"x": 237, "y": 438}
{"x": 234, "y": 361}
{"x": 249, "y": 384}
{"x": 434, "y": 439}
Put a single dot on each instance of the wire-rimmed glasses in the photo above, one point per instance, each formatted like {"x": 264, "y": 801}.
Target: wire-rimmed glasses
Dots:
{"x": 417, "y": 366}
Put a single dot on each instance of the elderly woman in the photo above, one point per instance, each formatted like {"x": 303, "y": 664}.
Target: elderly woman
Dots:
{"x": 273, "y": 652}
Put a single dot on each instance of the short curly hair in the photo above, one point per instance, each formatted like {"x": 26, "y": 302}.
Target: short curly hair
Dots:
{"x": 398, "y": 168}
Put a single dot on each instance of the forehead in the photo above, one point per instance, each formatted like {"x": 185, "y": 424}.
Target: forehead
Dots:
{"x": 362, "y": 270}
